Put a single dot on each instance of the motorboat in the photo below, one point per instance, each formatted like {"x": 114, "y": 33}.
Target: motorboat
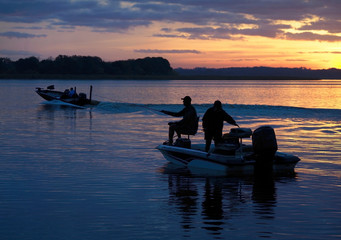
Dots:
{"x": 64, "y": 97}
{"x": 232, "y": 156}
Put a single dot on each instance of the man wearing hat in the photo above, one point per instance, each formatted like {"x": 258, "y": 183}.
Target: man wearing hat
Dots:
{"x": 188, "y": 124}
{"x": 213, "y": 122}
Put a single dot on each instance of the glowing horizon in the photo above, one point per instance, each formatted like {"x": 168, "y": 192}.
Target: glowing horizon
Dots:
{"x": 293, "y": 33}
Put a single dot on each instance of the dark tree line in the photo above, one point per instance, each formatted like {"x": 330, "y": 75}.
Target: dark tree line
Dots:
{"x": 64, "y": 66}
{"x": 261, "y": 72}
{"x": 80, "y": 65}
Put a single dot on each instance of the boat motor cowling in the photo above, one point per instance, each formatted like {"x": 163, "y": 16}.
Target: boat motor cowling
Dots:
{"x": 82, "y": 95}
{"x": 264, "y": 143}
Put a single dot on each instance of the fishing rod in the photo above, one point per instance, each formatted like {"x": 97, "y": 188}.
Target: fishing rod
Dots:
{"x": 146, "y": 107}
{"x": 135, "y": 104}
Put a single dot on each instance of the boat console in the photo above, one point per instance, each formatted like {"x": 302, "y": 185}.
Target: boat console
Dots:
{"x": 239, "y": 133}
{"x": 233, "y": 141}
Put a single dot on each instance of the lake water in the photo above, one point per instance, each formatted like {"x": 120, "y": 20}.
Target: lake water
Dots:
{"x": 69, "y": 173}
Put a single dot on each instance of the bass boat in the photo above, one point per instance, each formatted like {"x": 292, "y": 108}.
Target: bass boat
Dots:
{"x": 77, "y": 100}
{"x": 232, "y": 156}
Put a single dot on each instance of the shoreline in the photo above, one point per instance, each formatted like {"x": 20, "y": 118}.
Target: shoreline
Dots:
{"x": 143, "y": 77}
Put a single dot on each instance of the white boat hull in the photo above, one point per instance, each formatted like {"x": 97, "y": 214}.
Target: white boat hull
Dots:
{"x": 238, "y": 163}
{"x": 58, "y": 97}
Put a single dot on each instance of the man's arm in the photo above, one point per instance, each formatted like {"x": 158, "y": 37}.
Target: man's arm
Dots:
{"x": 174, "y": 114}
{"x": 205, "y": 119}
{"x": 229, "y": 119}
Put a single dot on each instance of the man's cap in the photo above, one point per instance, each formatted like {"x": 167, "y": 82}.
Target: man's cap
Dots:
{"x": 187, "y": 98}
{"x": 217, "y": 104}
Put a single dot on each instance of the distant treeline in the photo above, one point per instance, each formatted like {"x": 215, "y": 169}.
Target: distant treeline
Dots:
{"x": 85, "y": 65}
{"x": 262, "y": 73}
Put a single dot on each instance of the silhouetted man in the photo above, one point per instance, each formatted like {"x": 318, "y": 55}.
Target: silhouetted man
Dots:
{"x": 188, "y": 124}
{"x": 213, "y": 123}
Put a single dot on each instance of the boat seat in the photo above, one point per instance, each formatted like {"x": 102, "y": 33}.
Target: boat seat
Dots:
{"x": 192, "y": 132}
{"x": 239, "y": 133}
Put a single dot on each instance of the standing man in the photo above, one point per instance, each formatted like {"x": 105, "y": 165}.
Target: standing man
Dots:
{"x": 188, "y": 124}
{"x": 213, "y": 122}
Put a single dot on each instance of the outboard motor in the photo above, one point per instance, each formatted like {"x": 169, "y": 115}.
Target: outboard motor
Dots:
{"x": 82, "y": 96}
{"x": 264, "y": 144}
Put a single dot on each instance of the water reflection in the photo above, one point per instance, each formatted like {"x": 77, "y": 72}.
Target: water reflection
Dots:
{"x": 219, "y": 201}
{"x": 212, "y": 208}
{"x": 50, "y": 112}
{"x": 264, "y": 193}
{"x": 184, "y": 194}
{"x": 54, "y": 115}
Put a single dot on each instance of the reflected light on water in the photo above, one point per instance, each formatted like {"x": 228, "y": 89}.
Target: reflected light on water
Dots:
{"x": 95, "y": 173}
{"x": 306, "y": 94}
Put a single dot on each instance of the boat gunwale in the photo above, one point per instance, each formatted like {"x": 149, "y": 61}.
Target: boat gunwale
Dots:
{"x": 210, "y": 156}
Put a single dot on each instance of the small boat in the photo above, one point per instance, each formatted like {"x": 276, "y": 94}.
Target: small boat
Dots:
{"x": 77, "y": 100}
{"x": 232, "y": 156}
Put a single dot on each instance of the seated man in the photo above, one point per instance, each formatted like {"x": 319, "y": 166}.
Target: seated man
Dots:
{"x": 72, "y": 92}
{"x": 66, "y": 93}
{"x": 189, "y": 123}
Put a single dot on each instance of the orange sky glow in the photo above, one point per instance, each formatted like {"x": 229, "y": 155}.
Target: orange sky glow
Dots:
{"x": 189, "y": 34}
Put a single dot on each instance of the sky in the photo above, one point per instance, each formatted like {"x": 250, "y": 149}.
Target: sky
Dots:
{"x": 189, "y": 33}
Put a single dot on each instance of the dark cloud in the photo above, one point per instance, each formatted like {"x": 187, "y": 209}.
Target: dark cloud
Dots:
{"x": 330, "y": 25}
{"x": 170, "y": 35}
{"x": 17, "y": 53}
{"x": 214, "y": 19}
{"x": 245, "y": 60}
{"x": 172, "y": 51}
{"x": 296, "y": 60}
{"x": 206, "y": 33}
{"x": 312, "y": 37}
{"x": 29, "y": 28}
{"x": 266, "y": 30}
{"x": 321, "y": 52}
{"x": 20, "y": 35}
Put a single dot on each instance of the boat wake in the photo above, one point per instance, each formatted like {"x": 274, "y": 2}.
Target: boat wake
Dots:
{"x": 250, "y": 111}
{"x": 235, "y": 110}
{"x": 61, "y": 103}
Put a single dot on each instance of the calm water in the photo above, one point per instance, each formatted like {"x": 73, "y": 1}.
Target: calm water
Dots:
{"x": 70, "y": 173}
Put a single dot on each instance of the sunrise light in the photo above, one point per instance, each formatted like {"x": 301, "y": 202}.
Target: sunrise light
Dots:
{"x": 205, "y": 34}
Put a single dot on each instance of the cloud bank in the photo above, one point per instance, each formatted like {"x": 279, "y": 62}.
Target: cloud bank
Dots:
{"x": 173, "y": 51}
{"x": 20, "y": 35}
{"x": 18, "y": 53}
{"x": 312, "y": 20}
